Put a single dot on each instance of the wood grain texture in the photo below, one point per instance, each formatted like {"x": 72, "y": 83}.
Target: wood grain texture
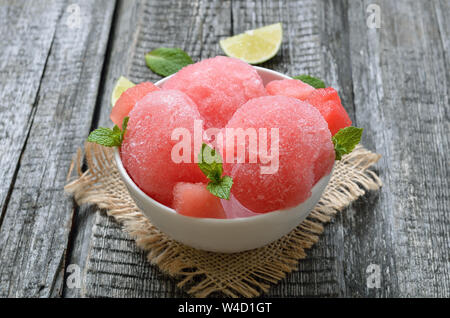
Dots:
{"x": 37, "y": 216}
{"x": 21, "y": 71}
{"x": 400, "y": 84}
{"x": 363, "y": 236}
{"x": 393, "y": 81}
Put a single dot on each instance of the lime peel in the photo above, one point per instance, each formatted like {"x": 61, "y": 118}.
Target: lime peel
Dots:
{"x": 121, "y": 86}
{"x": 254, "y": 46}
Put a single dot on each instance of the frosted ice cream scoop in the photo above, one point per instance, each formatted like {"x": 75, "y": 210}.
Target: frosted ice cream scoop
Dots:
{"x": 219, "y": 86}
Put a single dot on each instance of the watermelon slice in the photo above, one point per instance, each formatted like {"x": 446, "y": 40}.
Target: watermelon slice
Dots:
{"x": 128, "y": 99}
{"x": 193, "y": 199}
{"x": 327, "y": 101}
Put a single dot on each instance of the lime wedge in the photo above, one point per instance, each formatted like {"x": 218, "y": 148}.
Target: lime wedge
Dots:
{"x": 122, "y": 85}
{"x": 254, "y": 46}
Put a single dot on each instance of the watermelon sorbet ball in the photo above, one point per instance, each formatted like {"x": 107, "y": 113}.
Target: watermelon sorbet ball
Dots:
{"x": 327, "y": 101}
{"x": 219, "y": 86}
{"x": 290, "y": 87}
{"x": 147, "y": 146}
{"x": 305, "y": 153}
{"x": 128, "y": 99}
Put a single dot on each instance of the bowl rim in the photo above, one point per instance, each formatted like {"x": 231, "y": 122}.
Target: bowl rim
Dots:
{"x": 143, "y": 196}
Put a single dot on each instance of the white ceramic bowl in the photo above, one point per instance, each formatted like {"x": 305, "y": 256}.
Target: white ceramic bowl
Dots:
{"x": 223, "y": 235}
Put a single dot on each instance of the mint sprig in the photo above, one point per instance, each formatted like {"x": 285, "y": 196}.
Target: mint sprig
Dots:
{"x": 109, "y": 137}
{"x": 312, "y": 81}
{"x": 167, "y": 61}
{"x": 345, "y": 140}
{"x": 221, "y": 189}
{"x": 210, "y": 163}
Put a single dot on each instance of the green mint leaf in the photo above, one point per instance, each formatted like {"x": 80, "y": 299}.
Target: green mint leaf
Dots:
{"x": 167, "y": 61}
{"x": 109, "y": 137}
{"x": 221, "y": 189}
{"x": 116, "y": 130}
{"x": 314, "y": 82}
{"x": 105, "y": 136}
{"x": 210, "y": 163}
{"x": 345, "y": 140}
{"x": 124, "y": 128}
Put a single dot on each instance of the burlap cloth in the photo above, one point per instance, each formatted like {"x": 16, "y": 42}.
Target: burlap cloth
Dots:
{"x": 203, "y": 273}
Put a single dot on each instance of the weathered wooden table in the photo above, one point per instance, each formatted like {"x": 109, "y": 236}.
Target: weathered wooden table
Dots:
{"x": 60, "y": 59}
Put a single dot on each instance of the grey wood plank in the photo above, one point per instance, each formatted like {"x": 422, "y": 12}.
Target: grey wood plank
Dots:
{"x": 37, "y": 217}
{"x": 120, "y": 47}
{"x": 115, "y": 267}
{"x": 364, "y": 235}
{"x": 441, "y": 8}
{"x": 400, "y": 83}
{"x": 112, "y": 265}
{"x": 26, "y": 43}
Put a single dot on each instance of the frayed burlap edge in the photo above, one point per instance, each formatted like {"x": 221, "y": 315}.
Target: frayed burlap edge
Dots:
{"x": 203, "y": 273}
